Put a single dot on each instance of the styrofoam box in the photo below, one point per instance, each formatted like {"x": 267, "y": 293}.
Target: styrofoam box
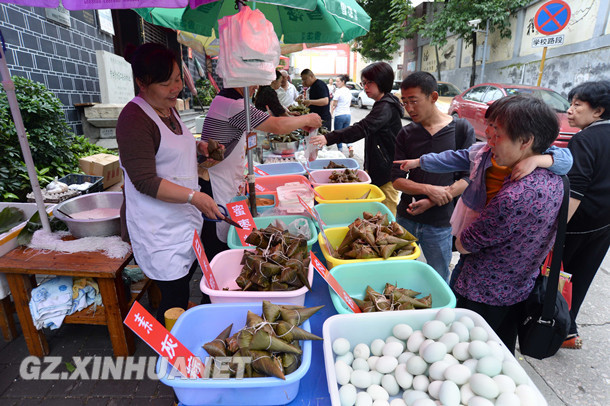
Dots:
{"x": 344, "y": 214}
{"x": 226, "y": 267}
{"x": 322, "y": 163}
{"x": 364, "y": 328}
{"x": 321, "y": 177}
{"x": 202, "y": 324}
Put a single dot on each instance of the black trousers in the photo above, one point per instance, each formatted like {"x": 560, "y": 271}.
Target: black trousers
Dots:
{"x": 504, "y": 320}
{"x": 174, "y": 293}
{"x": 582, "y": 256}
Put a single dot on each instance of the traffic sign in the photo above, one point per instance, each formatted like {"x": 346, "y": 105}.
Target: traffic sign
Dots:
{"x": 552, "y": 17}
{"x": 548, "y": 41}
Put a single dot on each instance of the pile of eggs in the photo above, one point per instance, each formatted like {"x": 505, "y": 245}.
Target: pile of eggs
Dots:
{"x": 448, "y": 362}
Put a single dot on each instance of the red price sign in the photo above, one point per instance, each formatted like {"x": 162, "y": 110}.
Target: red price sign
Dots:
{"x": 333, "y": 283}
{"x": 240, "y": 213}
{"x": 203, "y": 262}
{"x": 163, "y": 342}
{"x": 260, "y": 172}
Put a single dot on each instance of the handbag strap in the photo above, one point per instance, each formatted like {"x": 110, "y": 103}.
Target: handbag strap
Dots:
{"x": 548, "y": 308}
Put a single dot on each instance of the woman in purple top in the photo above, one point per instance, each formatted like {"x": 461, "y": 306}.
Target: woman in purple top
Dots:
{"x": 513, "y": 234}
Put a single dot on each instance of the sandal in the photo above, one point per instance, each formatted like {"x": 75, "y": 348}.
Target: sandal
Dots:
{"x": 573, "y": 341}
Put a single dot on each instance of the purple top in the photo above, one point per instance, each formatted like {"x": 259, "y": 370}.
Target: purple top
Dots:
{"x": 510, "y": 239}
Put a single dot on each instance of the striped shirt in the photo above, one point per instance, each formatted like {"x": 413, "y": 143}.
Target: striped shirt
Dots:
{"x": 226, "y": 119}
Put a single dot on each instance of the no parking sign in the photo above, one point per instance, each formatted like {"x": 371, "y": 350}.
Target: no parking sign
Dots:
{"x": 552, "y": 17}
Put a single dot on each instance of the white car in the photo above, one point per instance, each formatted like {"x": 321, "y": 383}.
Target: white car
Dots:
{"x": 364, "y": 101}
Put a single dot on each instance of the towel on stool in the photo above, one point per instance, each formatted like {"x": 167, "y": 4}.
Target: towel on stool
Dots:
{"x": 51, "y": 302}
{"x": 85, "y": 291}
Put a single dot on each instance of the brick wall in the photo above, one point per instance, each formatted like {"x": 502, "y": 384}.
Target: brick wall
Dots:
{"x": 62, "y": 58}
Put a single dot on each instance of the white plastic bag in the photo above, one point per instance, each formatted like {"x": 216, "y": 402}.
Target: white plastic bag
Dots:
{"x": 311, "y": 151}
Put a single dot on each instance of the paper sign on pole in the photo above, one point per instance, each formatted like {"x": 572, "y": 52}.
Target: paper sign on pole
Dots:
{"x": 319, "y": 266}
{"x": 145, "y": 326}
{"x": 251, "y": 144}
{"x": 203, "y": 262}
{"x": 240, "y": 213}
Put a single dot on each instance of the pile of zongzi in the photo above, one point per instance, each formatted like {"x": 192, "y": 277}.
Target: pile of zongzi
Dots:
{"x": 346, "y": 176}
{"x": 290, "y": 137}
{"x": 299, "y": 108}
{"x": 279, "y": 263}
{"x": 375, "y": 237}
{"x": 334, "y": 165}
{"x": 392, "y": 298}
{"x": 271, "y": 340}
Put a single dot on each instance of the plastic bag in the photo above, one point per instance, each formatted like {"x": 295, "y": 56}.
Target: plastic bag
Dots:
{"x": 300, "y": 226}
{"x": 311, "y": 151}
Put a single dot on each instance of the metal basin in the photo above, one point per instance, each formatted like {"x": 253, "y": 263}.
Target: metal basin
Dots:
{"x": 284, "y": 148}
{"x": 91, "y": 227}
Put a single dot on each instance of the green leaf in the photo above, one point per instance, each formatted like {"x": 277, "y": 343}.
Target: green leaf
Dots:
{"x": 10, "y": 217}
{"x": 71, "y": 368}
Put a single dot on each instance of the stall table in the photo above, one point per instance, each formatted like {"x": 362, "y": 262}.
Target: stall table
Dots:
{"x": 22, "y": 264}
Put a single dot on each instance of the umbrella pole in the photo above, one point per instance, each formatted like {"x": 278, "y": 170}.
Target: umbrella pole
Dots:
{"x": 9, "y": 87}
{"x": 251, "y": 176}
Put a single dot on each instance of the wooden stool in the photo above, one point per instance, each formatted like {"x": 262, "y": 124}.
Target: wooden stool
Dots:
{"x": 7, "y": 321}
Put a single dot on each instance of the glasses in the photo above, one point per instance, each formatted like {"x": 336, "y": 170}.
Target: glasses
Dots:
{"x": 366, "y": 82}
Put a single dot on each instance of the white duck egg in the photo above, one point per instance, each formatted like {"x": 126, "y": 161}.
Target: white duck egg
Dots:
{"x": 348, "y": 358}
{"x": 461, "y": 330}
{"x": 364, "y": 399}
{"x": 392, "y": 339}
{"x": 471, "y": 363}
{"x": 478, "y": 333}
{"x": 433, "y": 329}
{"x": 436, "y": 351}
{"x": 411, "y": 396}
{"x": 415, "y": 341}
{"x": 416, "y": 365}
{"x": 360, "y": 363}
{"x": 377, "y": 392}
{"x": 526, "y": 395}
{"x": 436, "y": 371}
{"x": 362, "y": 351}
{"x": 343, "y": 372}
{"x": 377, "y": 346}
{"x": 482, "y": 385}
{"x": 393, "y": 349}
{"x": 505, "y": 383}
{"x": 423, "y": 345}
{"x": 508, "y": 399}
{"x": 450, "y": 339}
{"x": 372, "y": 361}
{"x": 403, "y": 377}
{"x": 460, "y": 351}
{"x": 404, "y": 357}
{"x": 388, "y": 382}
{"x": 446, "y": 315}
{"x": 449, "y": 394}
{"x": 375, "y": 377}
{"x": 341, "y": 346}
{"x": 434, "y": 388}
{"x": 360, "y": 379}
{"x": 458, "y": 374}
{"x": 424, "y": 402}
{"x": 478, "y": 349}
{"x": 381, "y": 402}
{"x": 402, "y": 331}
{"x": 465, "y": 393}
{"x": 421, "y": 382}
{"x": 514, "y": 371}
{"x": 450, "y": 359}
{"x": 489, "y": 365}
{"x": 397, "y": 402}
{"x": 347, "y": 395}
{"x": 386, "y": 364}
{"x": 495, "y": 349}
{"x": 467, "y": 321}
{"x": 479, "y": 401}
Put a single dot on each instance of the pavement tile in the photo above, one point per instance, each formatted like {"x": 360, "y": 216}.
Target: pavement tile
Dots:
{"x": 29, "y": 402}
{"x": 147, "y": 388}
{"x": 47, "y": 401}
{"x": 155, "y": 402}
{"x": 15, "y": 351}
{"x": 8, "y": 374}
{"x": 27, "y": 388}
{"x": 115, "y": 388}
{"x": 96, "y": 401}
{"x": 72, "y": 388}
{"x": 165, "y": 391}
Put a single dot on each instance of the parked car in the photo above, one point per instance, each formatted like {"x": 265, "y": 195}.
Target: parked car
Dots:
{"x": 446, "y": 92}
{"x": 354, "y": 89}
{"x": 473, "y": 103}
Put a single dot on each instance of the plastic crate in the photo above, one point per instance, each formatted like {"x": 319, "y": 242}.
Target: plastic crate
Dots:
{"x": 202, "y": 324}
{"x": 77, "y": 179}
{"x": 321, "y": 177}
{"x": 234, "y": 242}
{"x": 350, "y": 193}
{"x": 265, "y": 184}
{"x": 282, "y": 168}
{"x": 335, "y": 237}
{"x": 226, "y": 267}
{"x": 260, "y": 209}
{"x": 344, "y": 214}
{"x": 349, "y": 163}
{"x": 407, "y": 274}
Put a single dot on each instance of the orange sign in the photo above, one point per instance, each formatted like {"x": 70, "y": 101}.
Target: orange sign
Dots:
{"x": 240, "y": 213}
{"x": 319, "y": 266}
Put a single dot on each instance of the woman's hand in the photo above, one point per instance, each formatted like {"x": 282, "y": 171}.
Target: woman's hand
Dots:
{"x": 408, "y": 164}
{"x": 419, "y": 206}
{"x": 207, "y": 206}
{"x": 527, "y": 165}
{"x": 318, "y": 140}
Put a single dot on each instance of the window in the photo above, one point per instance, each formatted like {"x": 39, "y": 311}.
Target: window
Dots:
{"x": 475, "y": 94}
{"x": 492, "y": 94}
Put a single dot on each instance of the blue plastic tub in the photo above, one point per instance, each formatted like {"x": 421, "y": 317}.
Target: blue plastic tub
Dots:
{"x": 202, "y": 324}
{"x": 349, "y": 163}
{"x": 282, "y": 168}
{"x": 408, "y": 274}
{"x": 234, "y": 242}
{"x": 344, "y": 214}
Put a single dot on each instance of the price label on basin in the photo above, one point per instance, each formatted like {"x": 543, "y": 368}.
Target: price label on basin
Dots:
{"x": 319, "y": 266}
{"x": 203, "y": 262}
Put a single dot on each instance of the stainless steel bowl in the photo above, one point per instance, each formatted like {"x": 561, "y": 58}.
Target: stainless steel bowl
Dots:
{"x": 284, "y": 148}
{"x": 91, "y": 228}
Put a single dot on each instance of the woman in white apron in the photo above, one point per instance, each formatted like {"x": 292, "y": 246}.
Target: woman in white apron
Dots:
{"x": 158, "y": 155}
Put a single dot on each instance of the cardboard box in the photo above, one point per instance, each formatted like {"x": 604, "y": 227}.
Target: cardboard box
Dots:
{"x": 105, "y": 165}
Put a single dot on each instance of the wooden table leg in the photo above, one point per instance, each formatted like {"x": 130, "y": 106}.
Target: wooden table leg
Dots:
{"x": 21, "y": 287}
{"x": 115, "y": 307}
{"x": 7, "y": 322}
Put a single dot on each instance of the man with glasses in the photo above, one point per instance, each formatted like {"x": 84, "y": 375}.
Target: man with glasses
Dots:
{"x": 319, "y": 97}
{"x": 426, "y": 203}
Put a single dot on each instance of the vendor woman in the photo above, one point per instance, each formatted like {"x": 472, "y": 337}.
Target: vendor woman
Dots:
{"x": 226, "y": 123}
{"x": 158, "y": 155}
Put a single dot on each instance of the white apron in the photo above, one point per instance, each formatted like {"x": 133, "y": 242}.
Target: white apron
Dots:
{"x": 161, "y": 233}
{"x": 227, "y": 179}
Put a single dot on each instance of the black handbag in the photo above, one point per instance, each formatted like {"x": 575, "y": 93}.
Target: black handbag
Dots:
{"x": 547, "y": 321}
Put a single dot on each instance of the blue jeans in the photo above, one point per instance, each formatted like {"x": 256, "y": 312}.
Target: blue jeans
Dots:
{"x": 435, "y": 243}
{"x": 342, "y": 121}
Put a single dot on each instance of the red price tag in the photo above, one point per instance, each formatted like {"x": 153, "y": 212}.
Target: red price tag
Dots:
{"x": 203, "y": 262}
{"x": 240, "y": 213}
{"x": 163, "y": 342}
{"x": 333, "y": 283}
{"x": 260, "y": 172}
